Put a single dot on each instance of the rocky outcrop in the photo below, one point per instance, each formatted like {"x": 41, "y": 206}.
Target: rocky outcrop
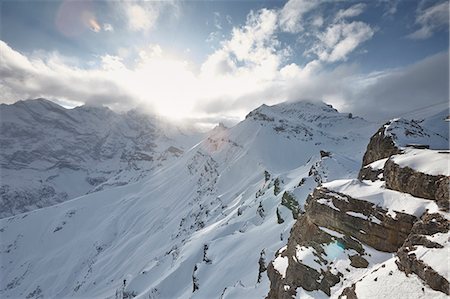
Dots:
{"x": 337, "y": 220}
{"x": 369, "y": 173}
{"x": 380, "y": 146}
{"x": 304, "y": 233}
{"x": 407, "y": 180}
{"x": 360, "y": 219}
{"x": 409, "y": 262}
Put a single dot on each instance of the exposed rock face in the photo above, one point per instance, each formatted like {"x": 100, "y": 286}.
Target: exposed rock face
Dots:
{"x": 368, "y": 173}
{"x": 380, "y": 146}
{"x": 304, "y": 233}
{"x": 360, "y": 219}
{"x": 349, "y": 293}
{"x": 408, "y": 261}
{"x": 405, "y": 179}
{"x": 354, "y": 222}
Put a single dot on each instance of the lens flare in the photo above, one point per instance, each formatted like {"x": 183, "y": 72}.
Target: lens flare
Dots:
{"x": 74, "y": 17}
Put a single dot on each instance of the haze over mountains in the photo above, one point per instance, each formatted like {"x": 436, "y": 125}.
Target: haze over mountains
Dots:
{"x": 158, "y": 215}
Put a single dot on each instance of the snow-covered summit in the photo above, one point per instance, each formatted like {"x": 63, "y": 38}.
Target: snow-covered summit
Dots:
{"x": 316, "y": 112}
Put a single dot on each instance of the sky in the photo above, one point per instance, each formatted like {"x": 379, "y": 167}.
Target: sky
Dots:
{"x": 214, "y": 61}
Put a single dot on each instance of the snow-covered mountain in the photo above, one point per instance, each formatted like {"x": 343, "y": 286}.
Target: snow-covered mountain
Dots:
{"x": 211, "y": 223}
{"x": 50, "y": 154}
{"x": 205, "y": 226}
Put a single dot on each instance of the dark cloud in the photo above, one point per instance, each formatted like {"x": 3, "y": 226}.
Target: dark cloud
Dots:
{"x": 396, "y": 92}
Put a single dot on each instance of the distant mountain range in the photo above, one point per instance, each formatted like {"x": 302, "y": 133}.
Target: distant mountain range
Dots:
{"x": 50, "y": 154}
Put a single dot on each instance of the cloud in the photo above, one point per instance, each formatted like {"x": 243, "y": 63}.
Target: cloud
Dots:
{"x": 340, "y": 39}
{"x": 141, "y": 17}
{"x": 393, "y": 92}
{"x": 430, "y": 20}
{"x": 291, "y": 15}
{"x": 23, "y": 77}
{"x": 353, "y": 11}
{"x": 108, "y": 27}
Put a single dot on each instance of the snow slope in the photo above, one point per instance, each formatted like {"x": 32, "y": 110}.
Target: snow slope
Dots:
{"x": 49, "y": 154}
{"x": 204, "y": 226}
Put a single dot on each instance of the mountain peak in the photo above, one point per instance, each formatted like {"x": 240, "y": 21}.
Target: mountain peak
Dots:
{"x": 42, "y": 102}
{"x": 306, "y": 111}
{"x": 303, "y": 106}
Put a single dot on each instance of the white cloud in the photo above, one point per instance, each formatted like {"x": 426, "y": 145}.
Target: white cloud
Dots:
{"x": 144, "y": 15}
{"x": 28, "y": 77}
{"x": 108, "y": 27}
{"x": 431, "y": 20}
{"x": 353, "y": 11}
{"x": 291, "y": 15}
{"x": 318, "y": 21}
{"x": 141, "y": 17}
{"x": 340, "y": 39}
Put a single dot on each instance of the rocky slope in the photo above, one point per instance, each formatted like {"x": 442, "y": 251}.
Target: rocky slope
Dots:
{"x": 350, "y": 228}
{"x": 49, "y": 154}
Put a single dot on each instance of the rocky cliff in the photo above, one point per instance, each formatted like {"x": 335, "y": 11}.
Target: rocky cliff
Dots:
{"x": 408, "y": 180}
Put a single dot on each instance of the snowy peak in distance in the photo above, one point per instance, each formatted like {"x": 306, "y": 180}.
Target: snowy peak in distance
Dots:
{"x": 306, "y": 118}
{"x": 301, "y": 110}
